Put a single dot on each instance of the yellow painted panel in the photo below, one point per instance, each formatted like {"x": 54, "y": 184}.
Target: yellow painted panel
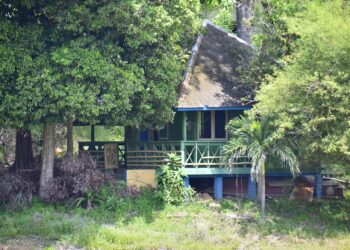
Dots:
{"x": 141, "y": 177}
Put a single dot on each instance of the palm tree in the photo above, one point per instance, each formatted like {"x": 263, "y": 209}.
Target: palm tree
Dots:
{"x": 260, "y": 142}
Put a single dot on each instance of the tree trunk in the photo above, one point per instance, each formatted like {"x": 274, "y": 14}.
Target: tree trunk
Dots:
{"x": 48, "y": 159}
{"x": 24, "y": 152}
{"x": 70, "y": 136}
{"x": 261, "y": 191}
{"x": 244, "y": 14}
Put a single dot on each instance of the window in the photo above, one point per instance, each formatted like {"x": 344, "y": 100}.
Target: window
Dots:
{"x": 163, "y": 133}
{"x": 220, "y": 122}
{"x": 158, "y": 135}
{"x": 205, "y": 124}
{"x": 212, "y": 124}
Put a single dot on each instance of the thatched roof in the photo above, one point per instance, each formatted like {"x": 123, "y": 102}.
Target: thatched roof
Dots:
{"x": 213, "y": 78}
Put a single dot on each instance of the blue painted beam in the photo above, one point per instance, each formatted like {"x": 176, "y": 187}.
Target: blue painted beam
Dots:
{"x": 251, "y": 188}
{"x": 218, "y": 187}
{"x": 206, "y": 108}
{"x": 201, "y": 172}
{"x": 186, "y": 181}
{"x": 215, "y": 171}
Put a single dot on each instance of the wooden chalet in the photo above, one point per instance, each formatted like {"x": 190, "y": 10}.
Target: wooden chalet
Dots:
{"x": 210, "y": 95}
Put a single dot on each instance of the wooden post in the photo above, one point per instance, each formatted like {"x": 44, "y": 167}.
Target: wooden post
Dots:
{"x": 318, "y": 183}
{"x": 196, "y": 149}
{"x": 184, "y": 137}
{"x": 184, "y": 126}
{"x": 251, "y": 188}
{"x": 70, "y": 136}
{"x": 92, "y": 133}
{"x": 186, "y": 181}
{"x": 218, "y": 187}
{"x": 183, "y": 155}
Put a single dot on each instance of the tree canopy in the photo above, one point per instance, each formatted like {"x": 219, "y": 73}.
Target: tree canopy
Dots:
{"x": 309, "y": 96}
{"x": 116, "y": 61}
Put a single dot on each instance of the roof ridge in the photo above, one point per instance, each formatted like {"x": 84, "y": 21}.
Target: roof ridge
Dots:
{"x": 200, "y": 46}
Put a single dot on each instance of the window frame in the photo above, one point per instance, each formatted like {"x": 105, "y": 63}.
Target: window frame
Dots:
{"x": 212, "y": 124}
{"x": 167, "y": 133}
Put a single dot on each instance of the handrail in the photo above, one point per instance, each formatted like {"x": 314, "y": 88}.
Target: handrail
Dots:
{"x": 153, "y": 154}
{"x": 96, "y": 150}
{"x": 193, "y": 153}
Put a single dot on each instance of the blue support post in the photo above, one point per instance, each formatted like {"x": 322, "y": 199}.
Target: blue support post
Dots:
{"x": 186, "y": 181}
{"x": 251, "y": 188}
{"x": 318, "y": 183}
{"x": 218, "y": 187}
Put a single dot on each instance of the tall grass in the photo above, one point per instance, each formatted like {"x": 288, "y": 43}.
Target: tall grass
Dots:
{"x": 142, "y": 223}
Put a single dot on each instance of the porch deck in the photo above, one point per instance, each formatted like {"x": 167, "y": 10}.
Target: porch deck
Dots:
{"x": 194, "y": 154}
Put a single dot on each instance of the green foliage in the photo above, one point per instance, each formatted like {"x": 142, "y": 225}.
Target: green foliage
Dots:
{"x": 309, "y": 96}
{"x": 170, "y": 182}
{"x": 88, "y": 198}
{"x": 124, "y": 203}
{"x": 271, "y": 41}
{"x": 2, "y": 155}
{"x": 347, "y": 194}
{"x": 221, "y": 12}
{"x": 116, "y": 62}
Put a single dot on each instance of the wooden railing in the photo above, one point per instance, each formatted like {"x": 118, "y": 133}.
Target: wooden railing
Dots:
{"x": 96, "y": 150}
{"x": 193, "y": 154}
{"x": 152, "y": 154}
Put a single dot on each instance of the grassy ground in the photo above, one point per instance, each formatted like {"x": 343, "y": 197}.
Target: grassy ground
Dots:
{"x": 143, "y": 224}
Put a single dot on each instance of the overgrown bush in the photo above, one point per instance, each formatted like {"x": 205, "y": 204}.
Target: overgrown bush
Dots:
{"x": 347, "y": 194}
{"x": 77, "y": 177}
{"x": 15, "y": 191}
{"x": 57, "y": 190}
{"x": 111, "y": 196}
{"x": 127, "y": 203}
{"x": 170, "y": 182}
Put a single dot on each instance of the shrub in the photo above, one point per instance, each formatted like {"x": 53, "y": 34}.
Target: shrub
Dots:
{"x": 110, "y": 196}
{"x": 16, "y": 192}
{"x": 170, "y": 182}
{"x": 77, "y": 177}
{"x": 347, "y": 194}
{"x": 57, "y": 191}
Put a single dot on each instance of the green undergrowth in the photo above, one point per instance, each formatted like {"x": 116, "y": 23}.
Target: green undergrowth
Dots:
{"x": 143, "y": 223}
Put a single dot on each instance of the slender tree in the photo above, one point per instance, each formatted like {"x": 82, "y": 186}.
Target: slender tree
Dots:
{"x": 244, "y": 15}
{"x": 48, "y": 158}
{"x": 260, "y": 142}
{"x": 69, "y": 136}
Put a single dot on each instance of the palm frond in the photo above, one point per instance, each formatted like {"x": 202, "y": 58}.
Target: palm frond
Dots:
{"x": 287, "y": 157}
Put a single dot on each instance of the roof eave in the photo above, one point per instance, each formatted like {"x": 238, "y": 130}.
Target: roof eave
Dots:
{"x": 206, "y": 108}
